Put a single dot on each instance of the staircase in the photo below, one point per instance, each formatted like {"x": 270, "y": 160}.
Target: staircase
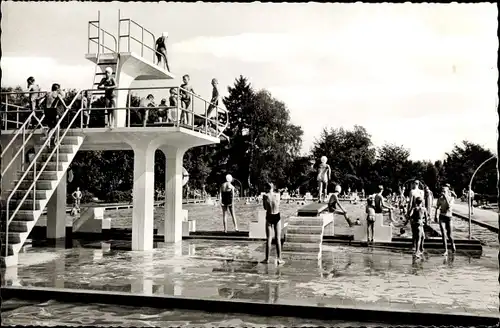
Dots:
{"x": 32, "y": 202}
{"x": 304, "y": 238}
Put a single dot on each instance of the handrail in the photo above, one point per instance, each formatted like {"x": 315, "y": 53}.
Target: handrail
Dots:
{"x": 9, "y": 217}
{"x": 25, "y": 141}
{"x": 143, "y": 29}
{"x": 99, "y": 43}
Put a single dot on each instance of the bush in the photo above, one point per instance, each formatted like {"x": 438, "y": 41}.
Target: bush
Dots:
{"x": 119, "y": 196}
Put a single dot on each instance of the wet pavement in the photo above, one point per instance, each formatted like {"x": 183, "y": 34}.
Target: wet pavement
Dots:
{"x": 349, "y": 276}
{"x": 52, "y": 313}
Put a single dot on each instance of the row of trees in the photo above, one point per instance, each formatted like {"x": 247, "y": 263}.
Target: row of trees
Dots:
{"x": 264, "y": 146}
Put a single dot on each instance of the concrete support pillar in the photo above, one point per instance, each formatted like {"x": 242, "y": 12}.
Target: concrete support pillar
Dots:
{"x": 143, "y": 197}
{"x": 56, "y": 212}
{"x": 125, "y": 79}
{"x": 172, "y": 229}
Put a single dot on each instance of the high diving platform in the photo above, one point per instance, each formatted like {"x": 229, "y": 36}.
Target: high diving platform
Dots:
{"x": 31, "y": 185}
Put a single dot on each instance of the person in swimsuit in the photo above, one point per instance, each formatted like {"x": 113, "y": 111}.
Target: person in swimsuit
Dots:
{"x": 334, "y": 202}
{"x": 172, "y": 102}
{"x": 271, "y": 203}
{"x": 86, "y": 110}
{"x": 444, "y": 206}
{"x": 161, "y": 49}
{"x": 226, "y": 199}
{"x": 429, "y": 200}
{"x": 34, "y": 99}
{"x": 185, "y": 95}
{"x": 144, "y": 110}
{"x": 324, "y": 173}
{"x": 214, "y": 102}
{"x": 380, "y": 205}
{"x": 418, "y": 217}
{"x": 370, "y": 218}
{"x": 108, "y": 83}
{"x": 414, "y": 193}
{"x": 54, "y": 109}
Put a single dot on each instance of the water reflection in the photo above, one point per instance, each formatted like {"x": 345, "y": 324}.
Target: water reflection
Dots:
{"x": 230, "y": 270}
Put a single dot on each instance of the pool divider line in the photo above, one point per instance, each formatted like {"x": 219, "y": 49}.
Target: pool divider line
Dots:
{"x": 319, "y": 311}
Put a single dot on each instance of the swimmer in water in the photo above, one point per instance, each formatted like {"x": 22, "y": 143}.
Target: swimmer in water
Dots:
{"x": 271, "y": 203}
{"x": 226, "y": 199}
{"x": 324, "y": 173}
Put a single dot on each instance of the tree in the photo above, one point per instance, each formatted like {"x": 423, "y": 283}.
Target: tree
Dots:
{"x": 461, "y": 163}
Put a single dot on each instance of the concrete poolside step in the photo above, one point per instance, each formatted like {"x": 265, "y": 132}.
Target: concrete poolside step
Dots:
{"x": 63, "y": 157}
{"x": 2, "y": 253}
{"x": 301, "y": 256}
{"x": 41, "y": 184}
{"x": 14, "y": 237}
{"x": 15, "y": 226}
{"x": 21, "y": 215}
{"x": 27, "y": 204}
{"x": 305, "y": 221}
{"x": 40, "y": 194}
{"x": 296, "y": 238}
{"x": 302, "y": 247}
{"x": 45, "y": 175}
{"x": 300, "y": 229}
{"x": 68, "y": 140}
{"x": 64, "y": 149}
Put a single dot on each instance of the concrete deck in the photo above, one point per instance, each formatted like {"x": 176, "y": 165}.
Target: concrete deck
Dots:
{"x": 484, "y": 218}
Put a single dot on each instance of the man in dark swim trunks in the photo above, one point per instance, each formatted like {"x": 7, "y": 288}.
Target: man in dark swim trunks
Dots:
{"x": 226, "y": 199}
{"x": 108, "y": 83}
{"x": 271, "y": 203}
{"x": 161, "y": 49}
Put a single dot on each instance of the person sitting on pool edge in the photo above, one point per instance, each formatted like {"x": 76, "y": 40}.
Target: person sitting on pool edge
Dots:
{"x": 271, "y": 203}
{"x": 334, "y": 202}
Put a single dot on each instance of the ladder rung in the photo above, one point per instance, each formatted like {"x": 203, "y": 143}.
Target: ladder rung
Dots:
{"x": 93, "y": 37}
{"x": 113, "y": 63}
{"x": 94, "y": 21}
{"x": 104, "y": 73}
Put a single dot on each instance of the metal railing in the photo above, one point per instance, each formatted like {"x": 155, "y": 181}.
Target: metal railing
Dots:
{"x": 33, "y": 165}
{"x": 194, "y": 121}
{"x": 141, "y": 42}
{"x": 101, "y": 33}
{"x": 25, "y": 108}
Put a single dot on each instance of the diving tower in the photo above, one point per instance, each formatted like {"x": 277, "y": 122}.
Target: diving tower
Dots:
{"x": 31, "y": 186}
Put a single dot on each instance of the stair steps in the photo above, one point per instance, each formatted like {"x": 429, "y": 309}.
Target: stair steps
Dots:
{"x": 304, "y": 238}
{"x": 25, "y": 219}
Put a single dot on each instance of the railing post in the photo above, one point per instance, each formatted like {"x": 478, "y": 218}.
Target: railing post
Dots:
{"x": 128, "y": 109}
{"x": 177, "y": 116}
{"x": 128, "y": 35}
{"x": 23, "y": 147}
{"x": 206, "y": 119}
{"x": 142, "y": 41}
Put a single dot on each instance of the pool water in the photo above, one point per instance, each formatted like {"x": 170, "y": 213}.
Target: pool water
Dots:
{"x": 51, "y": 313}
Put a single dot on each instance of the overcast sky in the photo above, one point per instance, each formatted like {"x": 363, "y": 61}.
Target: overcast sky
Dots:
{"x": 428, "y": 68}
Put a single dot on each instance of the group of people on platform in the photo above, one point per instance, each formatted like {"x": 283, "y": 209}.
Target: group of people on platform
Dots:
{"x": 55, "y": 106}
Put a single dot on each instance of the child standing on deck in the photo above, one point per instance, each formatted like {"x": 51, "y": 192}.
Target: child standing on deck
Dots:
{"x": 370, "y": 218}
{"x": 418, "y": 216}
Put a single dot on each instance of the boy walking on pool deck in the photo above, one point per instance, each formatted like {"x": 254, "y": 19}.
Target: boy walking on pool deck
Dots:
{"x": 444, "y": 206}
{"x": 418, "y": 216}
{"x": 271, "y": 203}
